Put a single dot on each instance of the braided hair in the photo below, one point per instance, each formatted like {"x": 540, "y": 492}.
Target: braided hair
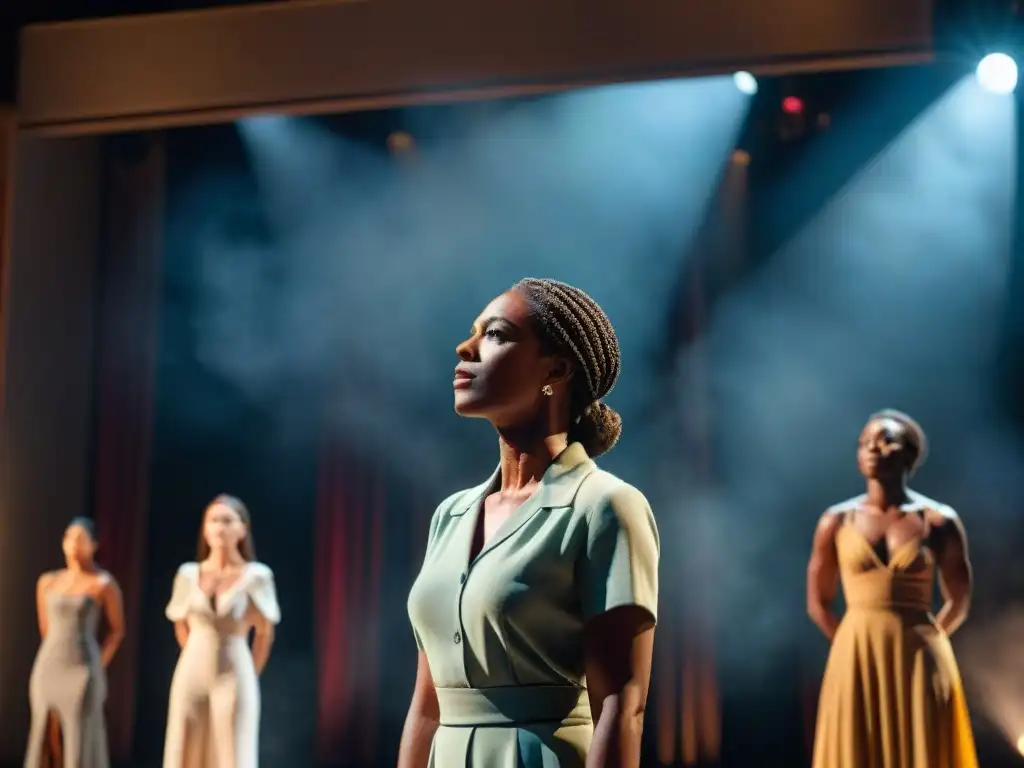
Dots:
{"x": 571, "y": 323}
{"x": 917, "y": 441}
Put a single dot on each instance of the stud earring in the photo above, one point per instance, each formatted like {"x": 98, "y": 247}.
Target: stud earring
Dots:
{"x": 547, "y": 391}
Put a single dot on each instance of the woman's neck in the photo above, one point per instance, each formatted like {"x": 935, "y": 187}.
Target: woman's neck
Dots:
{"x": 219, "y": 559}
{"x": 77, "y": 566}
{"x": 885, "y": 493}
{"x": 523, "y": 461}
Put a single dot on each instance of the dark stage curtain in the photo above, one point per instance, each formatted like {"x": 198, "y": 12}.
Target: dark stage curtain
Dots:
{"x": 8, "y": 132}
{"x": 126, "y": 340}
{"x": 348, "y": 567}
{"x": 371, "y": 532}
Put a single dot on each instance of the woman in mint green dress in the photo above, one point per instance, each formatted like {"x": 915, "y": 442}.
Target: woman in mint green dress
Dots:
{"x": 535, "y": 608}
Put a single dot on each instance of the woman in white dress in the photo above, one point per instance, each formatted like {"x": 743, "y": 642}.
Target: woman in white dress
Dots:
{"x": 214, "y": 714}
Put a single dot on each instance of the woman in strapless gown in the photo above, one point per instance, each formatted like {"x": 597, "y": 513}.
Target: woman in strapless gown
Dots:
{"x": 214, "y": 714}
{"x": 68, "y": 686}
{"x": 892, "y": 695}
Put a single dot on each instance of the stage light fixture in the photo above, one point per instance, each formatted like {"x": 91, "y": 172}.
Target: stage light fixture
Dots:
{"x": 745, "y": 82}
{"x": 401, "y": 143}
{"x": 997, "y": 73}
{"x": 792, "y": 105}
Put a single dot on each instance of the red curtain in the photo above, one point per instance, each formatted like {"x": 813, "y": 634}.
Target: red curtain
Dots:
{"x": 349, "y": 558}
{"x": 126, "y": 339}
{"x": 8, "y": 134}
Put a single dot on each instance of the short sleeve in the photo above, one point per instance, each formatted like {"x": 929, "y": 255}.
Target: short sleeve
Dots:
{"x": 620, "y": 565}
{"x": 181, "y": 593}
{"x": 263, "y": 593}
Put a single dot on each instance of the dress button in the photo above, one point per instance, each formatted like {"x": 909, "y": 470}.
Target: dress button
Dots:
{"x": 457, "y": 638}
{"x": 462, "y": 578}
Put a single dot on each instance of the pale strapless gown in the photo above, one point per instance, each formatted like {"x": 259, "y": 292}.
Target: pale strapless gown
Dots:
{"x": 213, "y": 719}
{"x": 68, "y": 679}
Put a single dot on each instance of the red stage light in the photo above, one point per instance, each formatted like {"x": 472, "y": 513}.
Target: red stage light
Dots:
{"x": 792, "y": 105}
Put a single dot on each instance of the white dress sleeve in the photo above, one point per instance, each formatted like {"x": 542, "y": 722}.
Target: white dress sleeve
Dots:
{"x": 263, "y": 594}
{"x": 181, "y": 595}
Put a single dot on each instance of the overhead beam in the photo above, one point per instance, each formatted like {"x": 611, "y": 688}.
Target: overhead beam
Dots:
{"x": 307, "y": 56}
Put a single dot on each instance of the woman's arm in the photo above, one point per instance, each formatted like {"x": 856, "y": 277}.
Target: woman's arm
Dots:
{"x": 823, "y": 575}
{"x": 262, "y": 642}
{"x": 181, "y": 632}
{"x": 178, "y": 608}
{"x": 113, "y": 607}
{"x": 955, "y": 574}
{"x": 618, "y": 581}
{"x": 422, "y": 720}
{"x": 42, "y": 587}
{"x": 264, "y": 613}
{"x": 619, "y": 646}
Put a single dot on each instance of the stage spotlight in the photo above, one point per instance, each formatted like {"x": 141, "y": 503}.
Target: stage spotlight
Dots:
{"x": 1020, "y": 745}
{"x": 401, "y": 143}
{"x": 997, "y": 73}
{"x": 745, "y": 82}
{"x": 792, "y": 105}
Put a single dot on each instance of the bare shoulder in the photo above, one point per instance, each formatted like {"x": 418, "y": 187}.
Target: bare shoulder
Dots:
{"x": 828, "y": 526}
{"x": 943, "y": 516}
{"x": 937, "y": 514}
{"x": 946, "y": 526}
{"x": 108, "y": 584}
{"x": 834, "y": 516}
{"x": 46, "y": 580}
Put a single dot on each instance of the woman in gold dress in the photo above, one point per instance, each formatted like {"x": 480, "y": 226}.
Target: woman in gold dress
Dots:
{"x": 891, "y": 696}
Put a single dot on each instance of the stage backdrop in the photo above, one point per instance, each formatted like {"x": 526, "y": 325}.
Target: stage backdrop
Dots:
{"x": 8, "y": 138}
{"x": 128, "y": 277}
{"x": 48, "y": 317}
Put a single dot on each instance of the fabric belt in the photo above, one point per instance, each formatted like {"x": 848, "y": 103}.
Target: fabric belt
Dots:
{"x": 888, "y": 605}
{"x": 514, "y": 705}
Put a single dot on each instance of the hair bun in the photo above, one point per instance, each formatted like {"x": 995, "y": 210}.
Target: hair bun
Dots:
{"x": 598, "y": 429}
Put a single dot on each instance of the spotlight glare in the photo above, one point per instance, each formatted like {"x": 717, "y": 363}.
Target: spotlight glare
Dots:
{"x": 1020, "y": 744}
{"x": 745, "y": 82}
{"x": 401, "y": 142}
{"x": 997, "y": 73}
{"x": 792, "y": 105}
{"x": 741, "y": 157}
